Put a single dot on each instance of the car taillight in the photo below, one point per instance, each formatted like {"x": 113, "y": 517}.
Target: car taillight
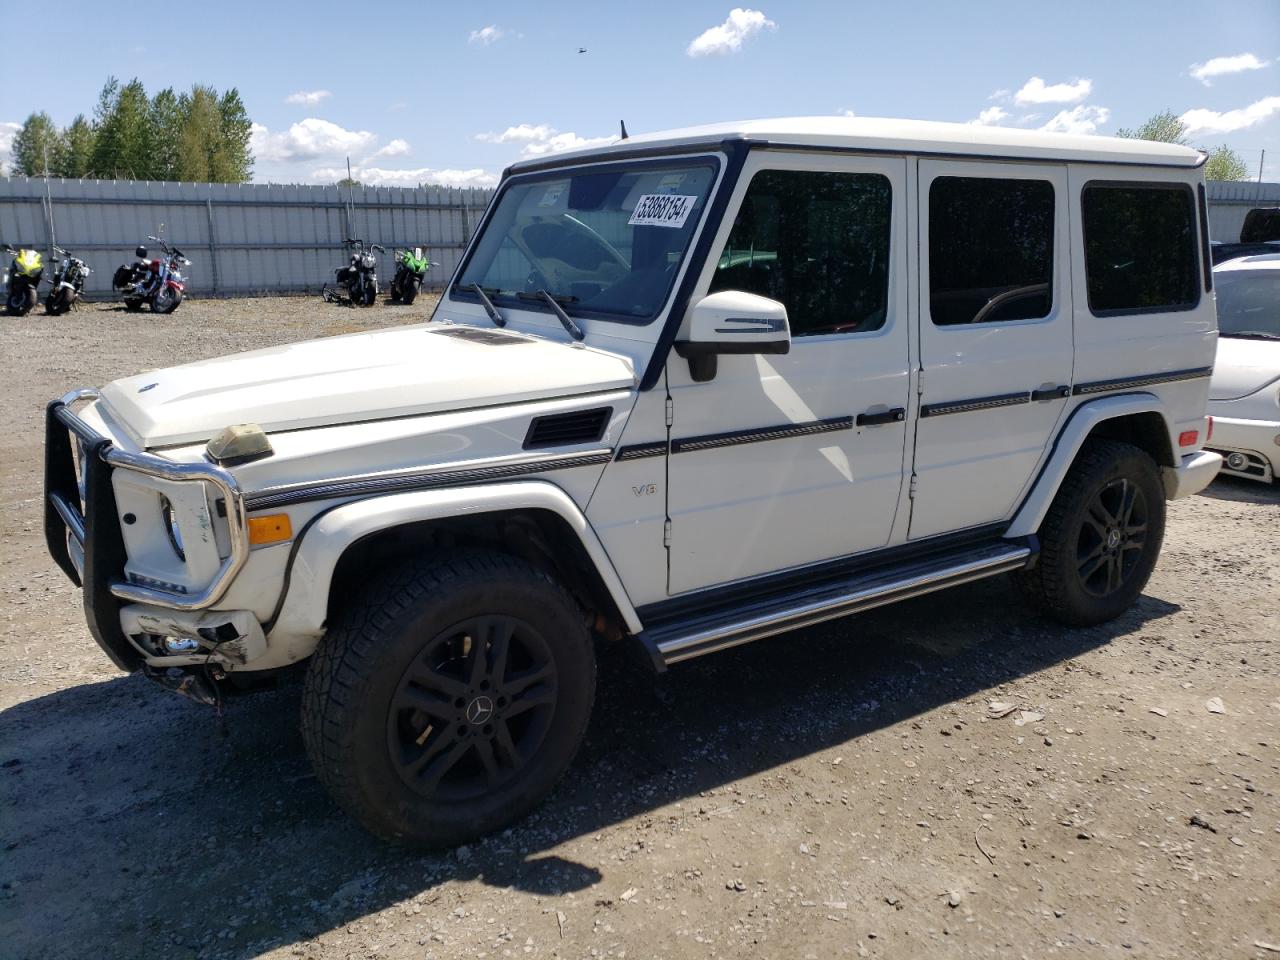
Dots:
{"x": 1188, "y": 438}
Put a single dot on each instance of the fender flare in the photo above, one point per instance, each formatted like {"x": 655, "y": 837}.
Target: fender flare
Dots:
{"x": 306, "y": 601}
{"x": 1065, "y": 447}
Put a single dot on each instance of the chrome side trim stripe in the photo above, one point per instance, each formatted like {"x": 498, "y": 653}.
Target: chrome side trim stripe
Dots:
{"x": 978, "y": 403}
{"x": 713, "y": 441}
{"x": 1128, "y": 383}
{"x": 828, "y": 607}
{"x": 378, "y": 483}
{"x": 638, "y": 451}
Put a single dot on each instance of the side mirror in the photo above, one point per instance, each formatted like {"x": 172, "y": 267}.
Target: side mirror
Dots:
{"x": 732, "y": 321}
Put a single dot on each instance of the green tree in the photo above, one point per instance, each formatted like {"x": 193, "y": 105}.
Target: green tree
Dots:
{"x": 166, "y": 120}
{"x": 75, "y": 153}
{"x": 37, "y": 141}
{"x": 1225, "y": 164}
{"x": 199, "y": 136}
{"x": 1165, "y": 126}
{"x": 348, "y": 182}
{"x": 124, "y": 143}
{"x": 234, "y": 155}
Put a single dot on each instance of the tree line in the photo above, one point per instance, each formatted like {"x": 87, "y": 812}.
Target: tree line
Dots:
{"x": 1223, "y": 163}
{"x": 198, "y": 135}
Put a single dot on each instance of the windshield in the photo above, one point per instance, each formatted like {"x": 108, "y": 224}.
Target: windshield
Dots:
{"x": 1248, "y": 303}
{"x": 606, "y": 242}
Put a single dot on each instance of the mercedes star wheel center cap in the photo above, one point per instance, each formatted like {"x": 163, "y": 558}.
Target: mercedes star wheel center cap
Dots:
{"x": 479, "y": 710}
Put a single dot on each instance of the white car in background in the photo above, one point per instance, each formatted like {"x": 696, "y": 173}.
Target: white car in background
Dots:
{"x": 1244, "y": 394}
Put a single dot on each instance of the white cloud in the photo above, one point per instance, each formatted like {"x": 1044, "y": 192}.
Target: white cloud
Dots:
{"x": 990, "y": 117}
{"x": 842, "y": 112}
{"x": 1036, "y": 90}
{"x": 308, "y": 139}
{"x": 396, "y": 148}
{"x": 7, "y": 131}
{"x": 1001, "y": 94}
{"x": 1220, "y": 66}
{"x": 728, "y": 37}
{"x": 486, "y": 35}
{"x": 308, "y": 98}
{"x": 383, "y": 176}
{"x": 1200, "y": 121}
{"x": 540, "y": 139}
{"x": 1081, "y": 119}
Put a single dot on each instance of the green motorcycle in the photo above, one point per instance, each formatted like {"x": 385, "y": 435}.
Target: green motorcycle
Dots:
{"x": 411, "y": 269}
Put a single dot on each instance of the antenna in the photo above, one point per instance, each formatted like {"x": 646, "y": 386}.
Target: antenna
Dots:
{"x": 624, "y": 129}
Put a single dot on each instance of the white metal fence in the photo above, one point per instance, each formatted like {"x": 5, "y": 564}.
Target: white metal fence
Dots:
{"x": 243, "y": 239}
{"x": 247, "y": 239}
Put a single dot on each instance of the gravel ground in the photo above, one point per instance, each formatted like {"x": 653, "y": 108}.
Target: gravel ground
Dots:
{"x": 843, "y": 791}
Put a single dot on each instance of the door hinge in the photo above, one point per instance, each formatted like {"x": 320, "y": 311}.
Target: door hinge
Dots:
{"x": 666, "y": 533}
{"x": 671, "y": 411}
{"x": 911, "y": 489}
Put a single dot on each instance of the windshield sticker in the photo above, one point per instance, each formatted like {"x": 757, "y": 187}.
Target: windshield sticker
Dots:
{"x": 552, "y": 195}
{"x": 671, "y": 182}
{"x": 662, "y": 210}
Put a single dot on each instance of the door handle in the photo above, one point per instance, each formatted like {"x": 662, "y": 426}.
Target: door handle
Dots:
{"x": 1050, "y": 393}
{"x": 896, "y": 415}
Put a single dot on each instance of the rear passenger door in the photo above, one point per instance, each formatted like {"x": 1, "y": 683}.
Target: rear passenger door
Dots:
{"x": 995, "y": 336}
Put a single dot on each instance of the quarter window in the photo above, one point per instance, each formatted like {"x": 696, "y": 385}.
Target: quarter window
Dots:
{"x": 816, "y": 242}
{"x": 990, "y": 250}
{"x": 1139, "y": 247}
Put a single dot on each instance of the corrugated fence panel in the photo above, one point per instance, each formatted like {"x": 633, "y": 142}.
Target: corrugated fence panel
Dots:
{"x": 242, "y": 239}
{"x": 1229, "y": 201}
{"x": 246, "y": 239}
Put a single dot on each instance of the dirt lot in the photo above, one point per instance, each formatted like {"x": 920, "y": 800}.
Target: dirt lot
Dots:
{"x": 843, "y": 791}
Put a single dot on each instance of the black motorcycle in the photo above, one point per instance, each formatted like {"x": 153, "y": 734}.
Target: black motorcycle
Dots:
{"x": 68, "y": 282}
{"x": 22, "y": 280}
{"x": 357, "y": 282}
{"x": 411, "y": 270}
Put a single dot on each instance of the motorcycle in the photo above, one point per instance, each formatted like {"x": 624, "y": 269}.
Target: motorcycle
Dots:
{"x": 21, "y": 280}
{"x": 157, "y": 282}
{"x": 68, "y": 283}
{"x": 358, "y": 281}
{"x": 411, "y": 269}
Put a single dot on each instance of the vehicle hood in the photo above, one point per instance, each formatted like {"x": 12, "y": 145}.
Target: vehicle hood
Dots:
{"x": 421, "y": 369}
{"x": 1243, "y": 367}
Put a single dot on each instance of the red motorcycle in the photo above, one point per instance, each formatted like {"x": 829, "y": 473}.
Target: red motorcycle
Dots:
{"x": 158, "y": 282}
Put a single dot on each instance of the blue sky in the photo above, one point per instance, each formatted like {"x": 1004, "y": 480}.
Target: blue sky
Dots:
{"x": 454, "y": 92}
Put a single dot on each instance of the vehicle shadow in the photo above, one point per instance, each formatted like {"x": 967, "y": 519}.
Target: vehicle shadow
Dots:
{"x": 148, "y": 828}
{"x": 1240, "y": 490}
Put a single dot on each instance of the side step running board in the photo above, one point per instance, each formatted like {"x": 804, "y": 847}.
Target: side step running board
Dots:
{"x": 670, "y": 643}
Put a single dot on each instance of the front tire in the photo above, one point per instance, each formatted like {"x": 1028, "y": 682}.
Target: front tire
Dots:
{"x": 450, "y": 698}
{"x": 58, "y": 302}
{"x": 411, "y": 291}
{"x": 1101, "y": 538}
{"x": 166, "y": 301}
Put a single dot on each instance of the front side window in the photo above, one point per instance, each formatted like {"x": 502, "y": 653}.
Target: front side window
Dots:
{"x": 604, "y": 242}
{"x": 1139, "y": 247}
{"x": 990, "y": 250}
{"x": 817, "y": 243}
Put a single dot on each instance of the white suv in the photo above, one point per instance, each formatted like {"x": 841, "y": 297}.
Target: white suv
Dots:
{"x": 683, "y": 392}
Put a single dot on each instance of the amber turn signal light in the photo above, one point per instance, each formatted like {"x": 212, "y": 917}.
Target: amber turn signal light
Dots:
{"x": 274, "y": 528}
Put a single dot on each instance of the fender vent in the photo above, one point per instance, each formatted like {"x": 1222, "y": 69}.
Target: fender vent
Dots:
{"x": 562, "y": 429}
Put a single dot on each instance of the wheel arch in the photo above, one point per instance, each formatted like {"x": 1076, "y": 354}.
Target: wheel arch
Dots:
{"x": 1136, "y": 418}
{"x": 533, "y": 520}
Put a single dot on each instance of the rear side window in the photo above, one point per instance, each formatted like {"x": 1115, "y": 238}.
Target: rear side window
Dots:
{"x": 816, "y": 242}
{"x": 1139, "y": 247}
{"x": 990, "y": 250}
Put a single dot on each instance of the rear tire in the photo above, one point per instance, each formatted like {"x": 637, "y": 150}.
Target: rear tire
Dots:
{"x": 450, "y": 698}
{"x": 21, "y": 301}
{"x": 1101, "y": 537}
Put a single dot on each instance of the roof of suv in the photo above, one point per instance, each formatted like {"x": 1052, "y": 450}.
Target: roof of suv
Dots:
{"x": 894, "y": 136}
{"x": 1261, "y": 261}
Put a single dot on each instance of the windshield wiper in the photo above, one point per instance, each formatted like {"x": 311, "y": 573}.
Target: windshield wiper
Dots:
{"x": 489, "y": 308}
{"x": 553, "y": 301}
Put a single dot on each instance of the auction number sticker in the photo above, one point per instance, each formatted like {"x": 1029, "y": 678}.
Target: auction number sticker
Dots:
{"x": 662, "y": 210}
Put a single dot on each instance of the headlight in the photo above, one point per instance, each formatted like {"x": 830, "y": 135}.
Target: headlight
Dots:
{"x": 171, "y": 528}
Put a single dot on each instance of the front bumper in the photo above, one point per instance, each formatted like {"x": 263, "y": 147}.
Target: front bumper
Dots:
{"x": 1195, "y": 472}
{"x": 82, "y": 526}
{"x": 1257, "y": 443}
